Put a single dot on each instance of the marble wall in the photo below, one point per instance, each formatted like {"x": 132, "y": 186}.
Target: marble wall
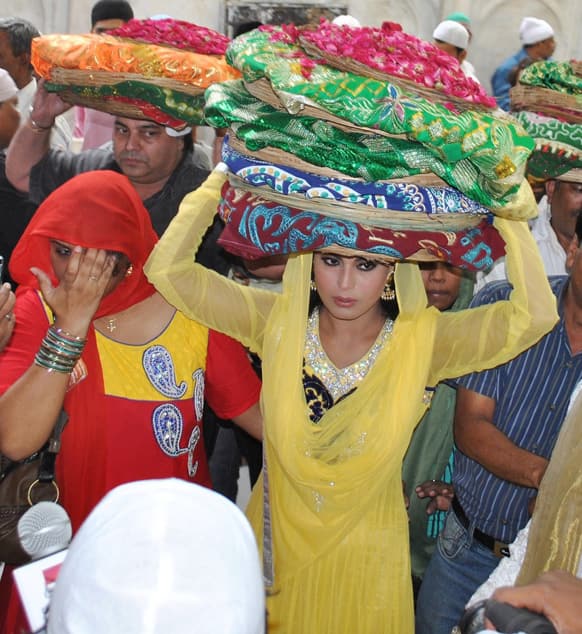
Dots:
{"x": 495, "y": 22}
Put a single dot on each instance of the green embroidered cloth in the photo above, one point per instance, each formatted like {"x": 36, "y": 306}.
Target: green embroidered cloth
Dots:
{"x": 558, "y": 145}
{"x": 368, "y": 156}
{"x": 558, "y": 76}
{"x": 496, "y": 147}
{"x": 177, "y": 105}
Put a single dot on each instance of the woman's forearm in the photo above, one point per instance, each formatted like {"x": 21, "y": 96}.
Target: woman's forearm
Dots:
{"x": 29, "y": 410}
{"x": 495, "y": 333}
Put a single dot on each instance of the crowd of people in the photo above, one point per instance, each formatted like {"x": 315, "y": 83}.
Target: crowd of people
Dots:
{"x": 399, "y": 418}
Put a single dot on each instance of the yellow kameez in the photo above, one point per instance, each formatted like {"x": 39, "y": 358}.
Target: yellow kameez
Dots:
{"x": 339, "y": 525}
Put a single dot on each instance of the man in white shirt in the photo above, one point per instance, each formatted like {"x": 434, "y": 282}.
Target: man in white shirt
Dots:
{"x": 16, "y": 35}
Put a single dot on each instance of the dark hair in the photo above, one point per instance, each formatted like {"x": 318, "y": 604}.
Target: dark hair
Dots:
{"x": 111, "y": 10}
{"x": 188, "y": 143}
{"x": 513, "y": 75}
{"x": 389, "y": 306}
{"x": 527, "y": 46}
{"x": 457, "y": 48}
{"x": 578, "y": 227}
{"x": 20, "y": 34}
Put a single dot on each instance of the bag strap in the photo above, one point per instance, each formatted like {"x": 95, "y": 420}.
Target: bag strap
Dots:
{"x": 46, "y": 471}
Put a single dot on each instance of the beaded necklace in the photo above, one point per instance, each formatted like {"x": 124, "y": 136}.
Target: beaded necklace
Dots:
{"x": 340, "y": 381}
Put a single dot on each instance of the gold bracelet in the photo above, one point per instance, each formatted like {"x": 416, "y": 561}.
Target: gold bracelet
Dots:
{"x": 38, "y": 128}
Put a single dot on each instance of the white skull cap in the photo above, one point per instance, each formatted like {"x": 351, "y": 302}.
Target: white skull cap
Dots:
{"x": 177, "y": 133}
{"x": 347, "y": 20}
{"x": 160, "y": 557}
{"x": 452, "y": 33}
{"x": 534, "y": 30}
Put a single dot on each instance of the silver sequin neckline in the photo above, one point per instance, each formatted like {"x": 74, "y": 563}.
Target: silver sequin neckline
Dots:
{"x": 340, "y": 381}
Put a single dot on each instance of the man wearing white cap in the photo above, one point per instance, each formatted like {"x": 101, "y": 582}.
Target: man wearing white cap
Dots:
{"x": 453, "y": 38}
{"x": 537, "y": 37}
{"x": 347, "y": 20}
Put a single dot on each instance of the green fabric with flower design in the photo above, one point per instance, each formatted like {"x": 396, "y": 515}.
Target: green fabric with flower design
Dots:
{"x": 498, "y": 148}
{"x": 558, "y": 145}
{"x": 558, "y": 76}
{"x": 368, "y": 156}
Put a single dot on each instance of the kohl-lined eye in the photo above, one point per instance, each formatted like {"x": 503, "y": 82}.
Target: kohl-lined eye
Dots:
{"x": 330, "y": 260}
{"x": 62, "y": 249}
{"x": 366, "y": 265}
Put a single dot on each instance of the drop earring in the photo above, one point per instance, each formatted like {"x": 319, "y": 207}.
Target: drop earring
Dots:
{"x": 389, "y": 294}
{"x": 313, "y": 286}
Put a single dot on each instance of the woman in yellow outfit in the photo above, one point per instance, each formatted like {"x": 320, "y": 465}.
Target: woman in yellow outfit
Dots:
{"x": 335, "y": 544}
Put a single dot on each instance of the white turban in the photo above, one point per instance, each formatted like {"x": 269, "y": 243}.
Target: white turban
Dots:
{"x": 534, "y": 30}
{"x": 452, "y": 33}
{"x": 161, "y": 557}
{"x": 8, "y": 88}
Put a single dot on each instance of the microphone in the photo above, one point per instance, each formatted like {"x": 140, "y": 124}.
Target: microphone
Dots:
{"x": 44, "y": 529}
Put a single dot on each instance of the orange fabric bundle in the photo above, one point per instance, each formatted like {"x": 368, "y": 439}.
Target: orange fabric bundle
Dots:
{"x": 93, "y": 52}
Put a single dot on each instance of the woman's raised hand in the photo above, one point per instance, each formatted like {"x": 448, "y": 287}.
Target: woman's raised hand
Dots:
{"x": 83, "y": 284}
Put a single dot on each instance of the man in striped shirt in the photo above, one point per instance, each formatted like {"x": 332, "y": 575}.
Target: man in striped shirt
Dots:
{"x": 506, "y": 424}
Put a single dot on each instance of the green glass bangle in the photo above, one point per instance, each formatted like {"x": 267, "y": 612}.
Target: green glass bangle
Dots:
{"x": 65, "y": 337}
{"x": 47, "y": 355}
{"x": 52, "y": 367}
{"x": 50, "y": 346}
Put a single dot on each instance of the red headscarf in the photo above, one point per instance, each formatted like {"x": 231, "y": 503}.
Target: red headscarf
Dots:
{"x": 102, "y": 210}
{"x": 98, "y": 210}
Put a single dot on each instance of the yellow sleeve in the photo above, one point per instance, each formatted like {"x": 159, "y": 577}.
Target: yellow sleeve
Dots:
{"x": 495, "y": 333}
{"x": 201, "y": 294}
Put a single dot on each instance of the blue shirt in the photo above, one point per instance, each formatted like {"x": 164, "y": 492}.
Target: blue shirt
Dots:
{"x": 532, "y": 394}
{"x": 500, "y": 81}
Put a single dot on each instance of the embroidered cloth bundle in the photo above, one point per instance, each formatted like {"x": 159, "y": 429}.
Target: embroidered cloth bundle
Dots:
{"x": 550, "y": 88}
{"x": 147, "y": 69}
{"x": 319, "y": 154}
{"x": 548, "y": 99}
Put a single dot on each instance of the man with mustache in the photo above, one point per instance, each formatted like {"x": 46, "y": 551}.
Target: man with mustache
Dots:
{"x": 161, "y": 164}
{"x": 554, "y": 227}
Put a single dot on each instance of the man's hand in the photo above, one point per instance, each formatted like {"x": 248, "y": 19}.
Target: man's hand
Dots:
{"x": 46, "y": 107}
{"x": 440, "y": 493}
{"x": 556, "y": 594}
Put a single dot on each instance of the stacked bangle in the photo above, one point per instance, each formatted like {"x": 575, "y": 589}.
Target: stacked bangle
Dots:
{"x": 59, "y": 351}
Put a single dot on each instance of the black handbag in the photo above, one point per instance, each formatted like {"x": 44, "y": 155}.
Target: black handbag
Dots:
{"x": 24, "y": 483}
